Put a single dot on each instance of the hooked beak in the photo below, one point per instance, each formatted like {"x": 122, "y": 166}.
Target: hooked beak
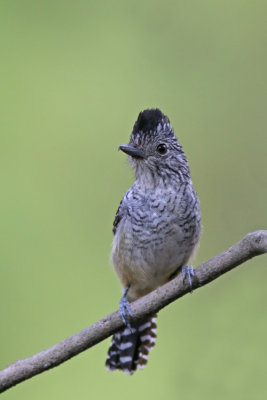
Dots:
{"x": 132, "y": 151}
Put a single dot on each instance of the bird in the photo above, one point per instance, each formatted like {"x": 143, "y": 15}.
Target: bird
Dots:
{"x": 156, "y": 229}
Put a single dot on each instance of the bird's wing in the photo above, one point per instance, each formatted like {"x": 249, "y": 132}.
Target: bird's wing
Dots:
{"x": 118, "y": 217}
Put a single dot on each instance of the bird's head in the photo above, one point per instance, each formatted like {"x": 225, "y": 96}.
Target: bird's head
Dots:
{"x": 154, "y": 151}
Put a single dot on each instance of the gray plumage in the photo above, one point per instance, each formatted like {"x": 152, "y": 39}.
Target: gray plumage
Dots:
{"x": 157, "y": 226}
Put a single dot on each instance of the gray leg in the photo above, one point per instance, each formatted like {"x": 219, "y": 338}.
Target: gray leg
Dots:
{"x": 188, "y": 272}
{"x": 125, "y": 309}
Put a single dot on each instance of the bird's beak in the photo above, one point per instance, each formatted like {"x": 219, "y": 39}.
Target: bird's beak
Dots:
{"x": 132, "y": 151}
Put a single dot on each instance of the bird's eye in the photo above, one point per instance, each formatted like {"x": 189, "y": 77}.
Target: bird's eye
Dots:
{"x": 162, "y": 148}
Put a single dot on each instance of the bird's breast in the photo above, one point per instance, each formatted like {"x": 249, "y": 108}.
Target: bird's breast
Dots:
{"x": 153, "y": 239}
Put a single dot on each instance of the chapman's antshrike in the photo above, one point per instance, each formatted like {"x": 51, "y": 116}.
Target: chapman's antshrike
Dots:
{"x": 156, "y": 229}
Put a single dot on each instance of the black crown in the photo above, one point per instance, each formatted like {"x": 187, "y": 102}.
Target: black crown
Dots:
{"x": 149, "y": 119}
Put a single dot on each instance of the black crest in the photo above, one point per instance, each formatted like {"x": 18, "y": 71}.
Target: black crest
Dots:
{"x": 149, "y": 119}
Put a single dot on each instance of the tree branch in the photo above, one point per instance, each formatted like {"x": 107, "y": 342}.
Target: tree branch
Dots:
{"x": 250, "y": 246}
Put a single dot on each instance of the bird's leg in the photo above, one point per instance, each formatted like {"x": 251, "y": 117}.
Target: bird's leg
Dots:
{"x": 188, "y": 272}
{"x": 125, "y": 309}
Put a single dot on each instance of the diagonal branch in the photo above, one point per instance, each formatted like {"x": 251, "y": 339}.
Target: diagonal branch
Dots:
{"x": 251, "y": 245}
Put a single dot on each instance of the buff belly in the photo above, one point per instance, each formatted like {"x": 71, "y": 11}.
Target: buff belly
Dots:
{"x": 146, "y": 264}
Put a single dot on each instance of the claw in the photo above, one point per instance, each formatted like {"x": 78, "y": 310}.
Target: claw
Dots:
{"x": 188, "y": 272}
{"x": 125, "y": 309}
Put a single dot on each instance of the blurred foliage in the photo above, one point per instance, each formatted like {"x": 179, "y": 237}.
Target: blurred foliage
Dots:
{"x": 74, "y": 77}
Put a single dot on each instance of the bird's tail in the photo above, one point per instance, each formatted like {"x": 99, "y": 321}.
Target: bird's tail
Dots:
{"x": 129, "y": 348}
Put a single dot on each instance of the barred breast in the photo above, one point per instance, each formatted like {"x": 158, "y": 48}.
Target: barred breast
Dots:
{"x": 156, "y": 236}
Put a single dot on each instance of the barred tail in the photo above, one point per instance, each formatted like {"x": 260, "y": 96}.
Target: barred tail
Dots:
{"x": 129, "y": 348}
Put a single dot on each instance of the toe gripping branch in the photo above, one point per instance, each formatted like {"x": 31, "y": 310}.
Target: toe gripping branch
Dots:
{"x": 125, "y": 309}
{"x": 188, "y": 272}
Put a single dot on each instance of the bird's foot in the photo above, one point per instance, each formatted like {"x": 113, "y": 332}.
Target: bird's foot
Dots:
{"x": 188, "y": 272}
{"x": 125, "y": 309}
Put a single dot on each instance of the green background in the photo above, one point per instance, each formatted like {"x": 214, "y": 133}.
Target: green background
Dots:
{"x": 74, "y": 76}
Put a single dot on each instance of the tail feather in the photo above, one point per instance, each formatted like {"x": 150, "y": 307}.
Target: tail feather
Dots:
{"x": 129, "y": 348}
